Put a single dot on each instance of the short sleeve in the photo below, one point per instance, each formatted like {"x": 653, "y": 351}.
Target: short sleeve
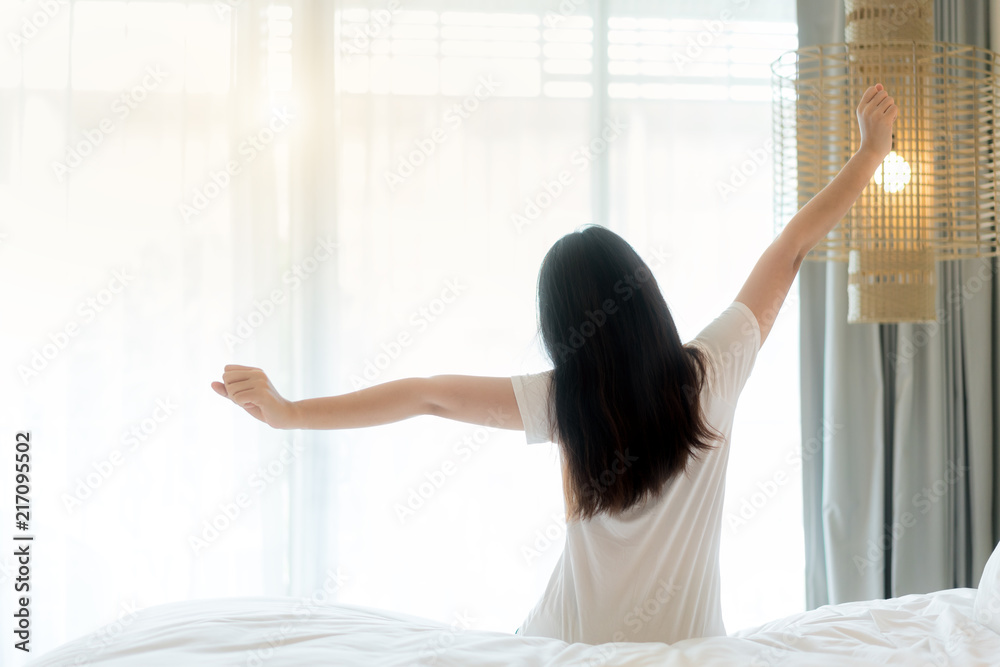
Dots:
{"x": 732, "y": 340}
{"x": 532, "y": 394}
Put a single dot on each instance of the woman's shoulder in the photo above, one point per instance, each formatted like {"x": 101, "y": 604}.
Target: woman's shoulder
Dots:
{"x": 731, "y": 342}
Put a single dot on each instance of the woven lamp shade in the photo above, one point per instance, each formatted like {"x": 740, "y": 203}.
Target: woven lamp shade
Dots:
{"x": 932, "y": 199}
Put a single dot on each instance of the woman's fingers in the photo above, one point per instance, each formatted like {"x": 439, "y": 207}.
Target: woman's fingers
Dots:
{"x": 236, "y": 375}
{"x": 246, "y": 398}
{"x": 878, "y": 99}
{"x": 249, "y": 388}
{"x": 885, "y": 103}
{"x": 871, "y": 93}
{"x": 235, "y": 387}
{"x": 235, "y": 381}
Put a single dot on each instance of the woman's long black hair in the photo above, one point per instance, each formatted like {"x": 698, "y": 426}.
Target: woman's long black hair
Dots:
{"x": 625, "y": 389}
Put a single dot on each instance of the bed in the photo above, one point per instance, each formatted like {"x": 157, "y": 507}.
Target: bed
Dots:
{"x": 958, "y": 627}
{"x": 938, "y": 628}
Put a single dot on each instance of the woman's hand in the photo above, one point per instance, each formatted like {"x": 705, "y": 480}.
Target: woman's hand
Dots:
{"x": 250, "y": 389}
{"x": 876, "y": 113}
{"x": 765, "y": 289}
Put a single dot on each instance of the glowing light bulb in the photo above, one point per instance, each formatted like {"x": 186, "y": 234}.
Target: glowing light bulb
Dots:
{"x": 894, "y": 172}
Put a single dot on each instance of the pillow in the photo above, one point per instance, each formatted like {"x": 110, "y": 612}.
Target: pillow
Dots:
{"x": 987, "y": 606}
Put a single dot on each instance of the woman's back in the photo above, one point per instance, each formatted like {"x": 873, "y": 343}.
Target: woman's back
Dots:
{"x": 652, "y": 572}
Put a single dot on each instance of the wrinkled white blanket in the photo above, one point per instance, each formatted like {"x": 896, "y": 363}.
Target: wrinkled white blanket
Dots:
{"x": 933, "y": 629}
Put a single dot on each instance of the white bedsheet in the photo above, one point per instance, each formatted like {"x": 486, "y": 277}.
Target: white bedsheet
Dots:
{"x": 915, "y": 630}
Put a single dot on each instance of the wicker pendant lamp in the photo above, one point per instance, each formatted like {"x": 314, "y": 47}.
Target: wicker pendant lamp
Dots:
{"x": 933, "y": 198}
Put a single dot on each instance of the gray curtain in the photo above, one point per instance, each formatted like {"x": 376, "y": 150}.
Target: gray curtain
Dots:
{"x": 900, "y": 474}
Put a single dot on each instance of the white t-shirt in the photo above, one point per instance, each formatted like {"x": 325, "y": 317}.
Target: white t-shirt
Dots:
{"x": 651, "y": 573}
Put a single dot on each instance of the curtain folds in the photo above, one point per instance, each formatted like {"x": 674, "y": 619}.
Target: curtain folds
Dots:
{"x": 900, "y": 482}
{"x": 121, "y": 121}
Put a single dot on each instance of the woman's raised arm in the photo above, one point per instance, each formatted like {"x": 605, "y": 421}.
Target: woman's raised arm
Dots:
{"x": 772, "y": 276}
{"x": 488, "y": 401}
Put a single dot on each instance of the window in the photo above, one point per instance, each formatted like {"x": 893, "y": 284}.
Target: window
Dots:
{"x": 468, "y": 138}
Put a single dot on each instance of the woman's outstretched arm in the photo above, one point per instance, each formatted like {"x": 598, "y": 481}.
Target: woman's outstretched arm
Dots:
{"x": 768, "y": 284}
{"x": 488, "y": 401}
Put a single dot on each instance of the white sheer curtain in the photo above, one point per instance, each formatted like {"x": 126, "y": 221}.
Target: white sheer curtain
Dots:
{"x": 369, "y": 190}
{"x": 121, "y": 305}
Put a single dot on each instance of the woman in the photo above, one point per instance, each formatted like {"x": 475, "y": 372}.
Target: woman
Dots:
{"x": 643, "y": 421}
